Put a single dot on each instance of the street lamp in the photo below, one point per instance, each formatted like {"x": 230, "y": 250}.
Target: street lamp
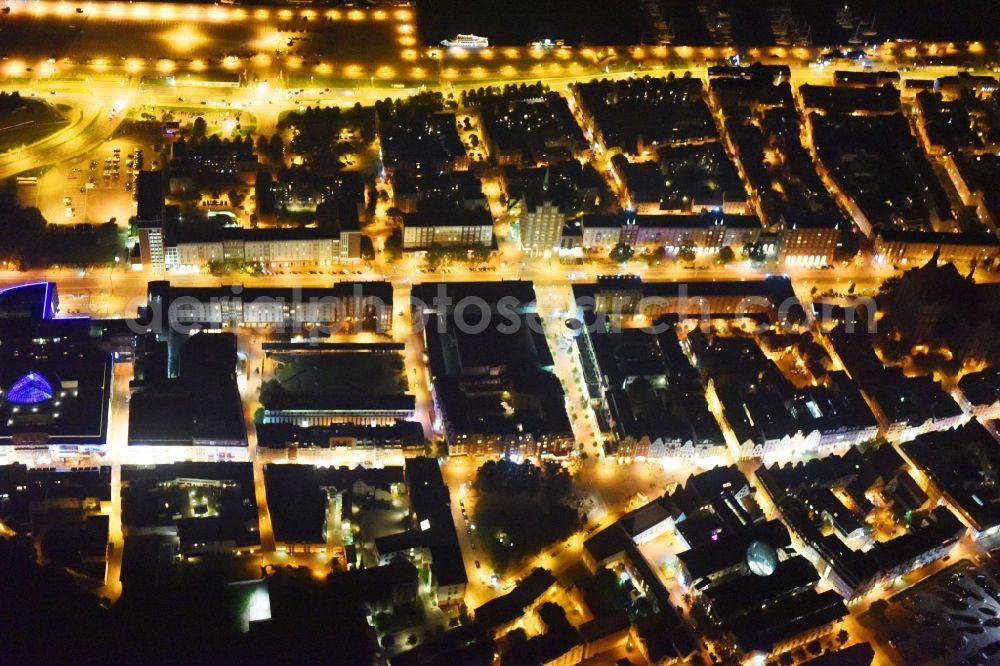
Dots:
{"x": 111, "y": 283}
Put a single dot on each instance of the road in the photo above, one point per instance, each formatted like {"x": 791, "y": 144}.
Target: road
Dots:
{"x": 554, "y": 303}
{"x": 414, "y": 360}
{"x": 111, "y": 294}
{"x": 88, "y": 128}
{"x": 458, "y": 474}
{"x": 116, "y": 455}
{"x": 127, "y": 284}
{"x": 249, "y": 384}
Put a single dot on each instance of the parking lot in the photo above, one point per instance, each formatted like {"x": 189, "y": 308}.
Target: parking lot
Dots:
{"x": 952, "y": 617}
{"x": 99, "y": 186}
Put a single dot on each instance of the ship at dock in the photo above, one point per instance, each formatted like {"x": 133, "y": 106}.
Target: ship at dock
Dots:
{"x": 467, "y": 42}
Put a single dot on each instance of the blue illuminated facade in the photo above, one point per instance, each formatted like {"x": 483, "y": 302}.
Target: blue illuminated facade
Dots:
{"x": 30, "y": 389}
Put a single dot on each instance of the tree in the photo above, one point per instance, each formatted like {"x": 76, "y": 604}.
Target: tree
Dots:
{"x": 393, "y": 247}
{"x": 878, "y": 606}
{"x": 686, "y": 254}
{"x": 388, "y": 641}
{"x": 199, "y": 128}
{"x": 754, "y": 252}
{"x": 726, "y": 255}
{"x": 848, "y": 246}
{"x": 235, "y": 198}
{"x": 516, "y": 636}
{"x": 10, "y": 101}
{"x": 328, "y": 216}
{"x": 411, "y": 640}
{"x": 521, "y": 509}
{"x": 656, "y": 257}
{"x": 367, "y": 249}
{"x": 621, "y": 253}
{"x": 888, "y": 287}
{"x": 276, "y": 148}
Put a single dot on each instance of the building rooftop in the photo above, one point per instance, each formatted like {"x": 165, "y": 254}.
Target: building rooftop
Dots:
{"x": 746, "y": 595}
{"x": 418, "y": 135}
{"x": 959, "y": 463}
{"x": 60, "y": 389}
{"x": 776, "y": 289}
{"x": 29, "y": 300}
{"x": 508, "y": 607}
{"x": 880, "y": 167}
{"x": 297, "y": 496}
{"x": 456, "y": 217}
{"x": 985, "y": 240}
{"x": 284, "y": 435}
{"x": 199, "y": 406}
{"x": 260, "y": 234}
{"x": 734, "y": 92}
{"x": 981, "y": 388}
{"x": 21, "y": 487}
{"x": 762, "y": 405}
{"x": 529, "y": 125}
{"x": 183, "y": 414}
{"x": 763, "y": 630}
{"x": 430, "y": 501}
{"x": 372, "y": 585}
{"x": 730, "y": 550}
{"x": 468, "y": 645}
{"x": 218, "y": 496}
{"x": 643, "y": 112}
{"x": 162, "y": 291}
{"x": 859, "y": 654}
{"x": 426, "y": 295}
{"x": 490, "y": 380}
{"x": 832, "y": 99}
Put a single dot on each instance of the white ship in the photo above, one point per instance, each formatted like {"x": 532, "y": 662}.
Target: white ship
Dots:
{"x": 548, "y": 44}
{"x": 467, "y": 42}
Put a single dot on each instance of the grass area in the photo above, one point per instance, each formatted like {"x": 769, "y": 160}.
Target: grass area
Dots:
{"x": 401, "y": 617}
{"x": 345, "y": 373}
{"x": 151, "y": 132}
{"x": 185, "y": 114}
{"x": 32, "y": 122}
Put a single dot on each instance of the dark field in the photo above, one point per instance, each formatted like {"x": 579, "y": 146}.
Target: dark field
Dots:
{"x": 347, "y": 373}
{"x": 517, "y": 22}
{"x": 34, "y": 121}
